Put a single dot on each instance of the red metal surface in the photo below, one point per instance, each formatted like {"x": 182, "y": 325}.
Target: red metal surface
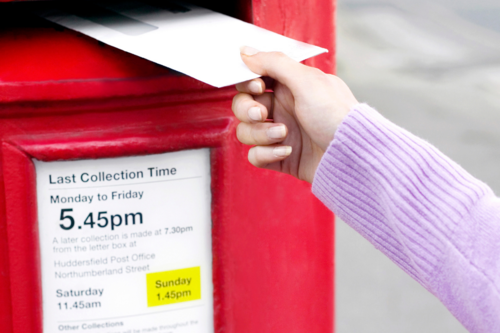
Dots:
{"x": 46, "y": 64}
{"x": 273, "y": 241}
{"x": 310, "y": 21}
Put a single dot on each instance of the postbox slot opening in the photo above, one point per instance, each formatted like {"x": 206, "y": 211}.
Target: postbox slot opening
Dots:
{"x": 47, "y": 43}
{"x": 15, "y": 14}
{"x": 240, "y": 9}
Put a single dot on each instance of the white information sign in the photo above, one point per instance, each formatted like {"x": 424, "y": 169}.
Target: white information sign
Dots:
{"x": 126, "y": 244}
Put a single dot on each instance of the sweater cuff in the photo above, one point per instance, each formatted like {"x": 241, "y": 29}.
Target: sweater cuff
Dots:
{"x": 395, "y": 189}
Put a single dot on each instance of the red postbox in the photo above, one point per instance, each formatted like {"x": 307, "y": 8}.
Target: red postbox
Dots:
{"x": 67, "y": 97}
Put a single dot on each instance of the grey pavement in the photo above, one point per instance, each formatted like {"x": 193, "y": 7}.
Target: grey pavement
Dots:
{"x": 434, "y": 69}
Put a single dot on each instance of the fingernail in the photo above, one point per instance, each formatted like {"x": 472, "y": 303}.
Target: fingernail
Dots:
{"x": 248, "y": 51}
{"x": 276, "y": 132}
{"x": 282, "y": 151}
{"x": 255, "y": 87}
{"x": 254, "y": 113}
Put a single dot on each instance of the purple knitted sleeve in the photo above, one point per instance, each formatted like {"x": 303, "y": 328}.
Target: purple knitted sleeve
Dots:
{"x": 427, "y": 214}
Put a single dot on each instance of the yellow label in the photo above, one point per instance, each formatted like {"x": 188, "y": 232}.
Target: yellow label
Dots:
{"x": 180, "y": 285}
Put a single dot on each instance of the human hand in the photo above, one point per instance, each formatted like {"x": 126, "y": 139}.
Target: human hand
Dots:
{"x": 306, "y": 108}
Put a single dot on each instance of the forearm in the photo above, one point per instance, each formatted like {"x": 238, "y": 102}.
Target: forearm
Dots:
{"x": 422, "y": 210}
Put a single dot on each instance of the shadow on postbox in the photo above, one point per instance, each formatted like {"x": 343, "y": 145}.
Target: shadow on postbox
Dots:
{"x": 127, "y": 204}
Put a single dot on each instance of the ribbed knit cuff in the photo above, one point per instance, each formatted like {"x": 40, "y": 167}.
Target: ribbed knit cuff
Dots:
{"x": 396, "y": 190}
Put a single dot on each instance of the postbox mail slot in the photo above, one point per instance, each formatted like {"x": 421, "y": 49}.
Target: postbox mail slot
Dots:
{"x": 41, "y": 60}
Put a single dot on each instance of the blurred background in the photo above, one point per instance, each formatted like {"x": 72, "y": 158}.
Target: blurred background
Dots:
{"x": 434, "y": 69}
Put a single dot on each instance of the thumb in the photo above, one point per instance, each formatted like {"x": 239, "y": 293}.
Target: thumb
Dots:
{"x": 276, "y": 65}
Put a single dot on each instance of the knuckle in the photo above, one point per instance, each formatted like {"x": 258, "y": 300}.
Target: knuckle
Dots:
{"x": 233, "y": 104}
{"x": 325, "y": 80}
{"x": 278, "y": 54}
{"x": 236, "y": 101}
{"x": 241, "y": 98}
{"x": 252, "y": 156}
{"x": 333, "y": 79}
{"x": 240, "y": 132}
{"x": 318, "y": 74}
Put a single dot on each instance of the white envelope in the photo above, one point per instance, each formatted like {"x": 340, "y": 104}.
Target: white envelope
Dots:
{"x": 192, "y": 40}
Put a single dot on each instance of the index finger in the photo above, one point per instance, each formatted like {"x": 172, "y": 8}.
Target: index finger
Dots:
{"x": 254, "y": 87}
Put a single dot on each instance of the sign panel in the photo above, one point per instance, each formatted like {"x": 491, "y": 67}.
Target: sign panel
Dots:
{"x": 126, "y": 244}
